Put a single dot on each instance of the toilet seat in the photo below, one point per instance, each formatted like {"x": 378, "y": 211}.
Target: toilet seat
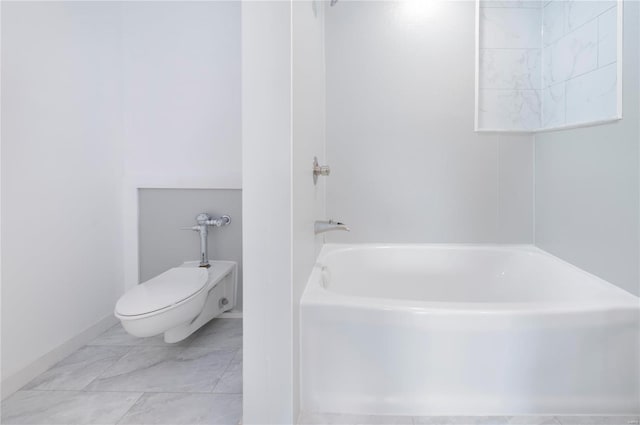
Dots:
{"x": 162, "y": 292}
{"x": 179, "y": 301}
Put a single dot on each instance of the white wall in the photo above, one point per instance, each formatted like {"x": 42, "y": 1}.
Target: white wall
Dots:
{"x": 587, "y": 183}
{"x": 308, "y": 85}
{"x": 267, "y": 213}
{"x": 406, "y": 163}
{"x": 61, "y": 174}
{"x": 182, "y": 117}
{"x": 181, "y": 70}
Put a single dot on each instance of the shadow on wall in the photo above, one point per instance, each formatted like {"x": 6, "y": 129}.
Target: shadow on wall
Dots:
{"x": 162, "y": 242}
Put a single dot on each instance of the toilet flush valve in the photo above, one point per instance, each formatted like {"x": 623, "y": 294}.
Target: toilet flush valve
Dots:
{"x": 204, "y": 220}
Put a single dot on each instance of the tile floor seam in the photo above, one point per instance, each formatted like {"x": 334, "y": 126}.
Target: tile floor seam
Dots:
{"x": 143, "y": 368}
{"x": 223, "y": 372}
{"x": 129, "y": 409}
{"x": 105, "y": 369}
{"x": 145, "y": 391}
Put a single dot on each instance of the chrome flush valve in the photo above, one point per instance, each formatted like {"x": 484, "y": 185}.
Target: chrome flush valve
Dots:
{"x": 204, "y": 220}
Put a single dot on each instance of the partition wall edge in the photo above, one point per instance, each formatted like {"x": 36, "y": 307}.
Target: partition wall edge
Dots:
{"x": 267, "y": 213}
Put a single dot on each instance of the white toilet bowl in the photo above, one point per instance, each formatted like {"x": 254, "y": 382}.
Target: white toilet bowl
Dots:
{"x": 178, "y": 301}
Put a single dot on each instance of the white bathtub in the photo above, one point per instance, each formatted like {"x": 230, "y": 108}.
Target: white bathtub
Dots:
{"x": 465, "y": 330}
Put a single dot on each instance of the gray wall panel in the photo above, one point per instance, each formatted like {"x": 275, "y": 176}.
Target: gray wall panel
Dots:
{"x": 162, "y": 212}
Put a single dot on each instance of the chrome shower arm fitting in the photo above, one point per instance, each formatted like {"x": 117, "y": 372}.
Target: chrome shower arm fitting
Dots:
{"x": 328, "y": 226}
{"x": 319, "y": 170}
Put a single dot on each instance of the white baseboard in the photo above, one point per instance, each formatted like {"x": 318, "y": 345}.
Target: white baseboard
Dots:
{"x": 19, "y": 379}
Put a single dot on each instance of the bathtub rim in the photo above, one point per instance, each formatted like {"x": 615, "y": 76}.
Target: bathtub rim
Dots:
{"x": 315, "y": 294}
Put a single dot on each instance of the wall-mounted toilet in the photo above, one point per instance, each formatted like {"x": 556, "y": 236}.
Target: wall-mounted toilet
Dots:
{"x": 179, "y": 301}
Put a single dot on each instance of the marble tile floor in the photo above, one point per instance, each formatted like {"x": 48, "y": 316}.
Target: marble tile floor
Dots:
{"x": 339, "y": 419}
{"x": 120, "y": 379}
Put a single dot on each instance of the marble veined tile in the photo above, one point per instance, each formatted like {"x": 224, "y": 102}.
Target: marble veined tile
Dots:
{"x": 553, "y": 22}
{"x": 231, "y": 380}
{"x": 530, "y": 4}
{"x": 592, "y": 96}
{"x": 532, "y": 420}
{"x": 346, "y": 419}
{"x": 553, "y": 106}
{"x": 219, "y": 334}
{"x": 461, "y": 420}
{"x": 77, "y": 370}
{"x": 116, "y": 335}
{"x": 165, "y": 369}
{"x": 218, "y": 325}
{"x": 66, "y": 407}
{"x": 579, "y": 12}
{"x": 598, "y": 420}
{"x": 510, "y": 69}
{"x": 607, "y": 37}
{"x": 514, "y": 28}
{"x": 433, "y": 420}
{"x": 573, "y": 55}
{"x": 509, "y": 109}
{"x": 182, "y": 409}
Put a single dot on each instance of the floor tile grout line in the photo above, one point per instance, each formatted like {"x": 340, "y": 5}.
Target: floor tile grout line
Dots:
{"x": 105, "y": 369}
{"x": 178, "y": 351}
{"x": 120, "y": 391}
{"x": 223, "y": 372}
{"x": 130, "y": 407}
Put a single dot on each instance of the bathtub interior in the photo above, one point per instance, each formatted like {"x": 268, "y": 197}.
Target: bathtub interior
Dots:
{"x": 461, "y": 274}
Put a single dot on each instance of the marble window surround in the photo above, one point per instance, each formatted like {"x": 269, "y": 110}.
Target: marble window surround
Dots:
{"x": 520, "y": 87}
{"x": 120, "y": 379}
{"x": 584, "y": 89}
{"x": 509, "y": 66}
